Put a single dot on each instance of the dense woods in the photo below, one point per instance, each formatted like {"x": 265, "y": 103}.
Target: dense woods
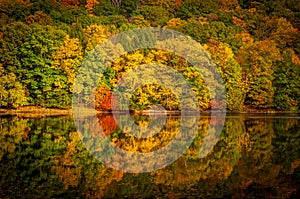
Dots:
{"x": 255, "y": 45}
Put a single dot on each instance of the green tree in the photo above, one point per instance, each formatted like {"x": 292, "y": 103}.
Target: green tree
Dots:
{"x": 286, "y": 82}
{"x": 12, "y": 93}
{"x": 157, "y": 15}
{"x": 195, "y": 8}
{"x": 47, "y": 85}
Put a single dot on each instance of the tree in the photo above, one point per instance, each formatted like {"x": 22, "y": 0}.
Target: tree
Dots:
{"x": 12, "y": 93}
{"x": 231, "y": 73}
{"x": 286, "y": 81}
{"x": 90, "y": 5}
{"x": 175, "y": 24}
{"x": 15, "y": 9}
{"x": 68, "y": 58}
{"x": 195, "y": 8}
{"x": 257, "y": 61}
{"x": 46, "y": 85}
{"x": 228, "y": 5}
{"x": 157, "y": 15}
{"x": 284, "y": 34}
{"x": 104, "y": 99}
{"x": 96, "y": 34}
{"x": 39, "y": 17}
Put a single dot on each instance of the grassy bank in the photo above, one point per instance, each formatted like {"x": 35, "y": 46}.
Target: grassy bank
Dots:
{"x": 35, "y": 112}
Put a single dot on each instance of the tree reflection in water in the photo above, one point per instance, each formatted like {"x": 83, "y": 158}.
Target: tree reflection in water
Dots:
{"x": 254, "y": 157}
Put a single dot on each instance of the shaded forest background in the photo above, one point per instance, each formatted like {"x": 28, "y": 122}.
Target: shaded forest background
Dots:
{"x": 255, "y": 44}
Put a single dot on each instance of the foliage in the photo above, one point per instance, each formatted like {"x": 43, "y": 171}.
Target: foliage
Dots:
{"x": 157, "y": 15}
{"x": 286, "y": 78}
{"x": 257, "y": 62}
{"x": 68, "y": 58}
{"x": 12, "y": 93}
{"x": 90, "y": 5}
{"x": 46, "y": 157}
{"x": 39, "y": 17}
{"x": 255, "y": 44}
{"x": 231, "y": 74}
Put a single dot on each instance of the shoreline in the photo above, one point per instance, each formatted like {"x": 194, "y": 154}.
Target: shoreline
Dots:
{"x": 36, "y": 112}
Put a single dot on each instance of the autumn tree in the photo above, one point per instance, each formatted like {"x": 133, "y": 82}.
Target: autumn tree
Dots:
{"x": 39, "y": 17}
{"x": 195, "y": 8}
{"x": 90, "y": 5}
{"x": 157, "y": 14}
{"x": 286, "y": 81}
{"x": 68, "y": 58}
{"x": 96, "y": 34}
{"x": 12, "y": 93}
{"x": 29, "y": 57}
{"x": 228, "y": 5}
{"x": 257, "y": 62}
{"x": 284, "y": 34}
{"x": 231, "y": 73}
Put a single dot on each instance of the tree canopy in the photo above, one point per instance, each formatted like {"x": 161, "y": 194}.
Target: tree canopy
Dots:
{"x": 254, "y": 44}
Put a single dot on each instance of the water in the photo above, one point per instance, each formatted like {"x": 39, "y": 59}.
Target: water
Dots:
{"x": 256, "y": 156}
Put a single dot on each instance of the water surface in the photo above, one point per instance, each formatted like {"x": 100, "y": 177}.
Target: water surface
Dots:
{"x": 256, "y": 156}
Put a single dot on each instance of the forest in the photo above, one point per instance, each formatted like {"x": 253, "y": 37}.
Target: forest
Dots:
{"x": 254, "y": 43}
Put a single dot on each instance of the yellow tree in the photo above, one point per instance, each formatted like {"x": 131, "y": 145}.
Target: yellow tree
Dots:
{"x": 64, "y": 165}
{"x": 90, "y": 5}
{"x": 12, "y": 92}
{"x": 68, "y": 58}
{"x": 175, "y": 23}
{"x": 96, "y": 34}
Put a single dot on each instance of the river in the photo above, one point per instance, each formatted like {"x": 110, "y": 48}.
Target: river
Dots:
{"x": 255, "y": 156}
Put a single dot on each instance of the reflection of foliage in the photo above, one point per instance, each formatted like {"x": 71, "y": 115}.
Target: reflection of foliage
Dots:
{"x": 107, "y": 124}
{"x": 32, "y": 150}
{"x": 71, "y": 171}
{"x": 12, "y": 133}
{"x": 165, "y": 135}
{"x": 65, "y": 168}
{"x": 218, "y": 164}
{"x": 286, "y": 143}
{"x": 261, "y": 136}
{"x": 251, "y": 157}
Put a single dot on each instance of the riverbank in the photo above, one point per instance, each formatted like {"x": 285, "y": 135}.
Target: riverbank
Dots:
{"x": 35, "y": 112}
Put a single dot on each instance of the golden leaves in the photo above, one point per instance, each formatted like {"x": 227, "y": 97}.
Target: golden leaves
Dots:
{"x": 245, "y": 37}
{"x": 90, "y": 5}
{"x": 95, "y": 35}
{"x": 175, "y": 23}
{"x": 239, "y": 22}
{"x": 68, "y": 57}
